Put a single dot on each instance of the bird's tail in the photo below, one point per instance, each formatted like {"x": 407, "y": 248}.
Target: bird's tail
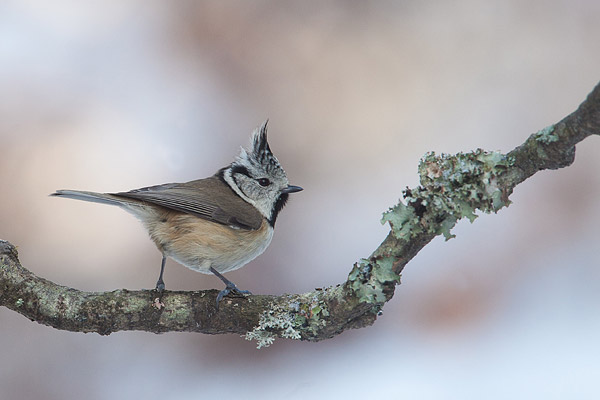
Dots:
{"x": 102, "y": 198}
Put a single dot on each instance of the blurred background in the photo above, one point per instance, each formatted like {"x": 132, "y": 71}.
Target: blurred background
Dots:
{"x": 130, "y": 93}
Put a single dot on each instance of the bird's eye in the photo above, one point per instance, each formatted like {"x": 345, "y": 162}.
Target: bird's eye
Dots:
{"x": 264, "y": 182}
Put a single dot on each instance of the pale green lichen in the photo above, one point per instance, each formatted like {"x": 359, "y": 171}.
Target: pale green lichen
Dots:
{"x": 302, "y": 313}
{"x": 311, "y": 312}
{"x": 403, "y": 220}
{"x": 19, "y": 302}
{"x": 275, "y": 318}
{"x": 369, "y": 277}
{"x": 546, "y": 135}
{"x": 452, "y": 187}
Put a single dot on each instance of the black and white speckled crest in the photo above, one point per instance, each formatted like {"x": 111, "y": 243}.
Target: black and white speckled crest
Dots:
{"x": 259, "y": 156}
{"x": 261, "y": 152}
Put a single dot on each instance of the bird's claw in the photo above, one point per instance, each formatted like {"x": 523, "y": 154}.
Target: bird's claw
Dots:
{"x": 230, "y": 288}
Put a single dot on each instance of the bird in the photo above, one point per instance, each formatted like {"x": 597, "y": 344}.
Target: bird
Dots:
{"x": 213, "y": 225}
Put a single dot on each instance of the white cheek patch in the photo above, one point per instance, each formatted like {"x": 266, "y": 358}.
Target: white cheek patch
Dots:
{"x": 264, "y": 209}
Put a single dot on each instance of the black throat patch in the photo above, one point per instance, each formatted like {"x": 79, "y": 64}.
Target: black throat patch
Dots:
{"x": 281, "y": 200}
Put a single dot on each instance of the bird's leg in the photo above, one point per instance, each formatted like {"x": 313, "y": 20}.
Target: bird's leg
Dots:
{"x": 229, "y": 287}
{"x": 160, "y": 284}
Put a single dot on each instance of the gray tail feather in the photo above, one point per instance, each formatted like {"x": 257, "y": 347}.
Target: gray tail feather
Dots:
{"x": 102, "y": 198}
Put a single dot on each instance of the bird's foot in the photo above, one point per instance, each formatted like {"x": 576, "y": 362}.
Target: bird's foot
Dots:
{"x": 230, "y": 288}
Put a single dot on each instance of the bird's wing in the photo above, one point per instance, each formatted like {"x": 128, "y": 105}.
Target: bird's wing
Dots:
{"x": 210, "y": 199}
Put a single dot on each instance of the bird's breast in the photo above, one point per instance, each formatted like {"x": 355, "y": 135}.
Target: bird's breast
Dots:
{"x": 200, "y": 244}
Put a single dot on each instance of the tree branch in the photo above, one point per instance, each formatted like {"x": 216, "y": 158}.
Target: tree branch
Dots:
{"x": 452, "y": 187}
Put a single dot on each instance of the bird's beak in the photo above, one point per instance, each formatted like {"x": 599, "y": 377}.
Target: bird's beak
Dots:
{"x": 292, "y": 189}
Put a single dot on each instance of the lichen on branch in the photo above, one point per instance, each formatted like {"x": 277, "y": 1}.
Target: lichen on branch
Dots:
{"x": 452, "y": 187}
